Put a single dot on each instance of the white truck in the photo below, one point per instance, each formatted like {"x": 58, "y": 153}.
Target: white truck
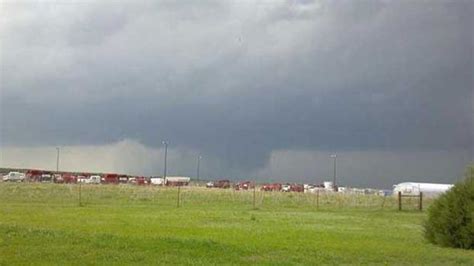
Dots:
{"x": 46, "y": 178}
{"x": 157, "y": 181}
{"x": 286, "y": 188}
{"x": 14, "y": 177}
{"x": 93, "y": 179}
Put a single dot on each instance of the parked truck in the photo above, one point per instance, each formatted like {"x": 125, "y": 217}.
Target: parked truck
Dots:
{"x": 93, "y": 179}
{"x": 69, "y": 179}
{"x": 110, "y": 179}
{"x": 292, "y": 188}
{"x": 219, "y": 184}
{"x": 14, "y": 177}
{"x": 245, "y": 185}
{"x": 175, "y": 181}
{"x": 271, "y": 187}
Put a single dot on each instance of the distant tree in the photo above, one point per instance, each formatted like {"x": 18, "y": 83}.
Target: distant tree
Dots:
{"x": 450, "y": 220}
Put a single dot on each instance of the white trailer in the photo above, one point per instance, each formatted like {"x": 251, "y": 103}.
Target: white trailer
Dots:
{"x": 414, "y": 188}
{"x": 177, "y": 181}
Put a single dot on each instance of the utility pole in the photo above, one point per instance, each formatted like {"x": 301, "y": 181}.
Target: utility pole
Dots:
{"x": 164, "y": 142}
{"x": 57, "y": 159}
{"x": 198, "y": 166}
{"x": 334, "y": 156}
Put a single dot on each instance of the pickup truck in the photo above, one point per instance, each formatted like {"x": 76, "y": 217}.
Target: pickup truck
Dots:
{"x": 14, "y": 177}
{"x": 46, "y": 178}
{"x": 93, "y": 179}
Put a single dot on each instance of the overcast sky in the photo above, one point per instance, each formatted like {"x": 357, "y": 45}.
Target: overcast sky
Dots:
{"x": 263, "y": 89}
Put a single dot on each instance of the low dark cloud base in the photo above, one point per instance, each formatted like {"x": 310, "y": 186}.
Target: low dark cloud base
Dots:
{"x": 240, "y": 84}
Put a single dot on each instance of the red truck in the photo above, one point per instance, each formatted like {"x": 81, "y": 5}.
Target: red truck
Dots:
{"x": 69, "y": 179}
{"x": 141, "y": 180}
{"x": 245, "y": 185}
{"x": 110, "y": 179}
{"x": 34, "y": 175}
{"x": 297, "y": 188}
{"x": 271, "y": 187}
{"x": 292, "y": 188}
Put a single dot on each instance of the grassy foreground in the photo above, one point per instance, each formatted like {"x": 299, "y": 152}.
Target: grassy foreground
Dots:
{"x": 43, "y": 224}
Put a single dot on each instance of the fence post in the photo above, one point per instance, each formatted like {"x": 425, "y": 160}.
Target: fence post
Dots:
{"x": 179, "y": 190}
{"x": 254, "y": 194}
{"x": 80, "y": 192}
{"x": 421, "y": 201}
{"x": 399, "y": 200}
{"x": 317, "y": 199}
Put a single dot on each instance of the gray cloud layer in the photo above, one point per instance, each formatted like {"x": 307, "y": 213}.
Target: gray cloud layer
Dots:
{"x": 355, "y": 168}
{"x": 238, "y": 80}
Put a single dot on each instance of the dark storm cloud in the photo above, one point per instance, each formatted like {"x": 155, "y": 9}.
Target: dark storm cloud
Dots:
{"x": 240, "y": 80}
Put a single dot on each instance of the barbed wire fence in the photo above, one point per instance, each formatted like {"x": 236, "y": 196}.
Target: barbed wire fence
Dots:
{"x": 195, "y": 197}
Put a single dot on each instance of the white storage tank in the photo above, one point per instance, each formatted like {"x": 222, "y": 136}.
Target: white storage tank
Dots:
{"x": 414, "y": 188}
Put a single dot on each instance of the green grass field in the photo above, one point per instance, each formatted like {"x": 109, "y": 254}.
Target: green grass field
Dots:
{"x": 44, "y": 224}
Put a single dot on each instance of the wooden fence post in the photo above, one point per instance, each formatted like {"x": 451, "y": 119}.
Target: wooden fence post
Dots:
{"x": 399, "y": 200}
{"x": 179, "y": 190}
{"x": 317, "y": 199}
{"x": 254, "y": 194}
{"x": 421, "y": 201}
{"x": 80, "y": 192}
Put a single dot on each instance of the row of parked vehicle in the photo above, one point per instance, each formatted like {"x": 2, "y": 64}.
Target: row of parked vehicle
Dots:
{"x": 246, "y": 185}
{"x": 87, "y": 178}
